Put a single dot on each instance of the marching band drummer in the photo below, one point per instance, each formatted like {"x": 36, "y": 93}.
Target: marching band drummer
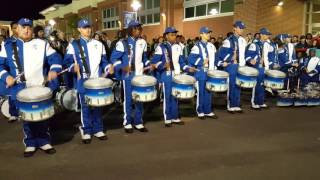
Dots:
{"x": 27, "y": 61}
{"x": 129, "y": 58}
{"x": 87, "y": 58}
{"x": 231, "y": 55}
{"x": 168, "y": 61}
{"x": 310, "y": 68}
{"x": 257, "y": 56}
{"x": 202, "y": 57}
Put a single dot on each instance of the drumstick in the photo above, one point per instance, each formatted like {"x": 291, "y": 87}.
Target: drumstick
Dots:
{"x": 15, "y": 79}
{"x": 63, "y": 71}
{"x": 288, "y": 84}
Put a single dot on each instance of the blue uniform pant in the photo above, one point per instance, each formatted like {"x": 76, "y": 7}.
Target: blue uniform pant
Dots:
{"x": 204, "y": 98}
{"x": 234, "y": 89}
{"x": 36, "y": 134}
{"x": 127, "y": 104}
{"x": 258, "y": 91}
{"x": 170, "y": 103}
{"x": 90, "y": 117}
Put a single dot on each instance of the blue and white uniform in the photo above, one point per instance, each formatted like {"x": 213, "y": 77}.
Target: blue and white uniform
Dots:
{"x": 36, "y": 58}
{"x": 312, "y": 69}
{"x": 253, "y": 52}
{"x": 172, "y": 54}
{"x": 200, "y": 52}
{"x": 226, "y": 54}
{"x": 130, "y": 53}
{"x": 97, "y": 63}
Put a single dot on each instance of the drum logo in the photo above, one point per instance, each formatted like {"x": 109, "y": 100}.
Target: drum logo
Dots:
{"x": 35, "y": 106}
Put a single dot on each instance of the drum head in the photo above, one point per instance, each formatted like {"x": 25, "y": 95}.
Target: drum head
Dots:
{"x": 248, "y": 71}
{"x": 218, "y": 74}
{"x": 34, "y": 94}
{"x": 184, "y": 79}
{"x": 98, "y": 83}
{"x": 5, "y": 108}
{"x": 144, "y": 81}
{"x": 275, "y": 74}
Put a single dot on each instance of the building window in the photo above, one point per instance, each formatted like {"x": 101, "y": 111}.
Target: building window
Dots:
{"x": 202, "y": 8}
{"x": 313, "y": 17}
{"x": 110, "y": 18}
{"x": 150, "y": 12}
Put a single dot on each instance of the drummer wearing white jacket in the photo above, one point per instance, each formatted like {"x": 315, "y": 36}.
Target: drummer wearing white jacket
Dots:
{"x": 87, "y": 58}
{"x": 25, "y": 63}
{"x": 202, "y": 57}
{"x": 231, "y": 55}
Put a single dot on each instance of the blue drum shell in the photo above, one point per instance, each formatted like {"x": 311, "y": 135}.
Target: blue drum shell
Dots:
{"x": 104, "y": 92}
{"x": 34, "y": 106}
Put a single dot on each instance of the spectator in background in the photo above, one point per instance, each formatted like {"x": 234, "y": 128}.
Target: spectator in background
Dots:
{"x": 309, "y": 41}
{"x": 249, "y": 38}
{"x": 38, "y": 32}
{"x": 302, "y": 45}
{"x": 219, "y": 41}
{"x": 256, "y": 37}
{"x": 295, "y": 40}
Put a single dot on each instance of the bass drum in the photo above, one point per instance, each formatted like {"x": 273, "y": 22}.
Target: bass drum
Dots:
{"x": 67, "y": 99}
{"x": 4, "y": 104}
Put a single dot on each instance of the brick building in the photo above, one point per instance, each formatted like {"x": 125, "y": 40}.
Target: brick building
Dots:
{"x": 294, "y": 16}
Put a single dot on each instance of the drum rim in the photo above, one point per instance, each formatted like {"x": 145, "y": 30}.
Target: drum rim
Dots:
{"x": 178, "y": 81}
{"x": 268, "y": 73}
{"x": 108, "y": 84}
{"x": 218, "y": 76}
{"x": 39, "y": 99}
{"x": 256, "y": 72}
{"x": 143, "y": 85}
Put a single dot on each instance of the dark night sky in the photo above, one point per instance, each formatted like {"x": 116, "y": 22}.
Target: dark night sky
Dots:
{"x": 12, "y": 10}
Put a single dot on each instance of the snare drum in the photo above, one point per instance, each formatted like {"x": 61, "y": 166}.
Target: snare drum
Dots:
{"x": 285, "y": 98}
{"x": 313, "y": 98}
{"x": 300, "y": 99}
{"x": 4, "y": 104}
{"x": 35, "y": 103}
{"x": 183, "y": 86}
{"x": 217, "y": 81}
{"x": 247, "y": 77}
{"x": 274, "y": 79}
{"x": 98, "y": 92}
{"x": 67, "y": 99}
{"x": 143, "y": 88}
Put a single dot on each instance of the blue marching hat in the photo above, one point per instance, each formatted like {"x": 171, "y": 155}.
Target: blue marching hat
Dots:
{"x": 205, "y": 30}
{"x": 170, "y": 30}
{"x": 25, "y": 22}
{"x": 265, "y": 31}
{"x": 134, "y": 23}
{"x": 239, "y": 24}
{"x": 83, "y": 23}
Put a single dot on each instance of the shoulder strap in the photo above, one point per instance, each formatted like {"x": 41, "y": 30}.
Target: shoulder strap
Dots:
{"x": 16, "y": 56}
{"x": 83, "y": 59}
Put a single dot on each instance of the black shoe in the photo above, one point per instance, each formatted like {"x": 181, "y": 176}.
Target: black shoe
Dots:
{"x": 128, "y": 130}
{"x": 167, "y": 125}
{"x": 231, "y": 112}
{"x": 178, "y": 123}
{"x": 102, "y": 138}
{"x": 202, "y": 117}
{"x": 50, "y": 151}
{"x": 29, "y": 153}
{"x": 142, "y": 129}
{"x": 86, "y": 141}
{"x": 212, "y": 117}
{"x": 239, "y": 111}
